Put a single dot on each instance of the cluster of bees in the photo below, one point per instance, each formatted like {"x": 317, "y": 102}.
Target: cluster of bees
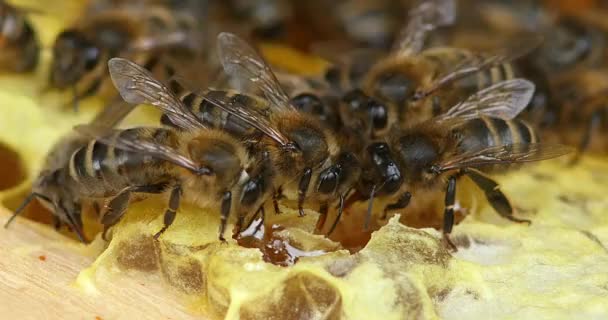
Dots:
{"x": 417, "y": 95}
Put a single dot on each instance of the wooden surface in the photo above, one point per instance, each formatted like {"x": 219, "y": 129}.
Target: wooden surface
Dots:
{"x": 38, "y": 272}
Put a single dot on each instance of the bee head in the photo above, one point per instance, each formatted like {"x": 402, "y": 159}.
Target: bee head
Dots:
{"x": 366, "y": 113}
{"x": 73, "y": 56}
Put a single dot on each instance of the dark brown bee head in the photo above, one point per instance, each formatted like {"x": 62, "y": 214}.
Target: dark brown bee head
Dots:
{"x": 341, "y": 176}
{"x": 73, "y": 56}
{"x": 415, "y": 152}
{"x": 380, "y": 171}
{"x": 59, "y": 200}
{"x": 319, "y": 108}
{"x": 396, "y": 87}
{"x": 361, "y": 112}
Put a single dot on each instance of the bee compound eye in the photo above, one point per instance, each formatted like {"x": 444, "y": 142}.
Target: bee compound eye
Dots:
{"x": 328, "y": 180}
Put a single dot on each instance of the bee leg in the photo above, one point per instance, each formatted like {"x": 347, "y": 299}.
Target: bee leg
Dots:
{"x": 263, "y": 217}
{"x": 302, "y": 188}
{"x": 323, "y": 210}
{"x": 56, "y": 222}
{"x": 495, "y": 197}
{"x": 275, "y": 200}
{"x": 448, "y": 213}
{"x": 115, "y": 209}
{"x": 78, "y": 225}
{"x": 338, "y": 216}
{"x": 97, "y": 208}
{"x": 590, "y": 129}
{"x": 226, "y": 202}
{"x": 401, "y": 203}
{"x": 169, "y": 216}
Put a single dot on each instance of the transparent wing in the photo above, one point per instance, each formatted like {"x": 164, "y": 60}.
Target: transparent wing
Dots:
{"x": 478, "y": 62}
{"x": 506, "y": 154}
{"x": 111, "y": 115}
{"x": 424, "y": 18}
{"x": 251, "y": 117}
{"x": 504, "y": 100}
{"x": 136, "y": 86}
{"x": 139, "y": 144}
{"x": 243, "y": 63}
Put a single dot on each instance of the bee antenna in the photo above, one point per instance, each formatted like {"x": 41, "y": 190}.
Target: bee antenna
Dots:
{"x": 22, "y": 206}
{"x": 368, "y": 217}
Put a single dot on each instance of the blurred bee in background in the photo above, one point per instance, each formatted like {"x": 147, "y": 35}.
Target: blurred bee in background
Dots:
{"x": 155, "y": 36}
{"x": 411, "y": 84}
{"x": 19, "y": 45}
{"x": 477, "y": 134}
{"x": 268, "y": 18}
{"x": 357, "y": 23}
{"x": 54, "y": 187}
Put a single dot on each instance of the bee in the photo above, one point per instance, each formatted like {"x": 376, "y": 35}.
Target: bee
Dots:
{"x": 268, "y": 18}
{"x": 54, "y": 187}
{"x": 18, "y": 41}
{"x": 200, "y": 165}
{"x": 480, "y": 133}
{"x": 411, "y": 83}
{"x": 304, "y": 155}
{"x": 80, "y": 53}
{"x": 364, "y": 23}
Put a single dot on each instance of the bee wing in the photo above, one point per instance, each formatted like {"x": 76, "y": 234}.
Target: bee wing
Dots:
{"x": 476, "y": 63}
{"x": 111, "y": 115}
{"x": 136, "y": 85}
{"x": 243, "y": 63}
{"x": 503, "y": 100}
{"x": 505, "y": 154}
{"x": 138, "y": 144}
{"x": 425, "y": 17}
{"x": 251, "y": 117}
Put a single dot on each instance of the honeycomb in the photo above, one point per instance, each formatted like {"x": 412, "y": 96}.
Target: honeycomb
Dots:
{"x": 553, "y": 269}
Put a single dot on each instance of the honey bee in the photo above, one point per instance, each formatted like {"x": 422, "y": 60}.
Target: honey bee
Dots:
{"x": 364, "y": 23}
{"x": 200, "y": 165}
{"x": 268, "y": 18}
{"x": 54, "y": 186}
{"x": 402, "y": 87}
{"x": 18, "y": 41}
{"x": 477, "y": 134}
{"x": 304, "y": 156}
{"x": 80, "y": 53}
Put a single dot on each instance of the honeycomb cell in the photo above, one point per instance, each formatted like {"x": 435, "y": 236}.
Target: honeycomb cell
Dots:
{"x": 139, "y": 253}
{"x": 180, "y": 270}
{"x": 304, "y": 296}
{"x": 396, "y": 244}
{"x": 12, "y": 171}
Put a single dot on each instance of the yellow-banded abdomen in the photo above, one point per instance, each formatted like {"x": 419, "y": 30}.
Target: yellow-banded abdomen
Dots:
{"x": 99, "y": 169}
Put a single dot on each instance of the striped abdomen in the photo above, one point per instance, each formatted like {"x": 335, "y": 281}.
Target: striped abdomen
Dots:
{"x": 215, "y": 117}
{"x": 101, "y": 170}
{"x": 448, "y": 58}
{"x": 479, "y": 134}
